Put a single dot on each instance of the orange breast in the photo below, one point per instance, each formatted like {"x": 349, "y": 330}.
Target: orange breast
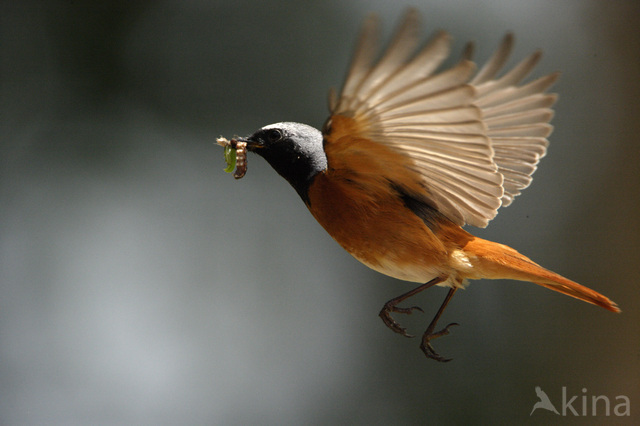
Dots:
{"x": 355, "y": 202}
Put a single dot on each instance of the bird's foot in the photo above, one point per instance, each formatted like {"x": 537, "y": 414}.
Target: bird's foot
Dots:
{"x": 426, "y": 342}
{"x": 385, "y": 314}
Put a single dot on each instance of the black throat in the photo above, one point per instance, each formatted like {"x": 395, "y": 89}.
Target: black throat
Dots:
{"x": 298, "y": 169}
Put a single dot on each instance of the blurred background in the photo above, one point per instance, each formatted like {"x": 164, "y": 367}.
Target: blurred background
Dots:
{"x": 139, "y": 284}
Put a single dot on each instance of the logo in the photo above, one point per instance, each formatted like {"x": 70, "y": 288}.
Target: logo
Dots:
{"x": 544, "y": 403}
{"x": 587, "y": 405}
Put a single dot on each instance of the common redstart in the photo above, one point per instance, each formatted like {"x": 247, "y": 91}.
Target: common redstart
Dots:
{"x": 411, "y": 153}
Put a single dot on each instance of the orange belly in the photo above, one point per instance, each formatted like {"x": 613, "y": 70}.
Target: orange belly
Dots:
{"x": 377, "y": 229}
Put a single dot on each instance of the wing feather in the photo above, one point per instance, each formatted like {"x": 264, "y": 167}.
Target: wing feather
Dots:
{"x": 495, "y": 63}
{"x": 471, "y": 139}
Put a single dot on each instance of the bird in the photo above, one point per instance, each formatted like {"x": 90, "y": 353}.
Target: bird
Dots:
{"x": 414, "y": 151}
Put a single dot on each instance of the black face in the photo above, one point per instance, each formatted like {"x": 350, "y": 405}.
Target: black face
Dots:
{"x": 264, "y": 138}
{"x": 279, "y": 151}
{"x": 294, "y": 150}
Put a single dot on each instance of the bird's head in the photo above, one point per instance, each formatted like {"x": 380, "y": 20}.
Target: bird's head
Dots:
{"x": 294, "y": 150}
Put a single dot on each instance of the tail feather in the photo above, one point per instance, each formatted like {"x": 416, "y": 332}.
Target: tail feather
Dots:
{"x": 495, "y": 260}
{"x": 581, "y": 292}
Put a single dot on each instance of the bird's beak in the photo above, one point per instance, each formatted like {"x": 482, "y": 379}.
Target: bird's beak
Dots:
{"x": 252, "y": 144}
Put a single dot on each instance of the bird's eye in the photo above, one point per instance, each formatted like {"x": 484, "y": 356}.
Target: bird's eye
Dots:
{"x": 274, "y": 135}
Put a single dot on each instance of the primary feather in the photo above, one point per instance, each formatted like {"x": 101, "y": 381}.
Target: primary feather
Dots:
{"x": 473, "y": 138}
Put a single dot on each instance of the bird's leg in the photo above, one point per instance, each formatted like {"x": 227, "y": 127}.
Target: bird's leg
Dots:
{"x": 429, "y": 334}
{"x": 390, "y": 306}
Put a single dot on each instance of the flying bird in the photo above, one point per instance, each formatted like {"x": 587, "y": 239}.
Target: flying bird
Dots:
{"x": 411, "y": 153}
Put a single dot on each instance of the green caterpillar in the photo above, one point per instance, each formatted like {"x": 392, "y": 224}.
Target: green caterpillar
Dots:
{"x": 229, "y": 158}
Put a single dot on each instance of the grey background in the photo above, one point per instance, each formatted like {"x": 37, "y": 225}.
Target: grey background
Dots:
{"x": 139, "y": 284}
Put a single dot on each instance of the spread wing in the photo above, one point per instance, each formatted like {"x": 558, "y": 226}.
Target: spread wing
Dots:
{"x": 472, "y": 138}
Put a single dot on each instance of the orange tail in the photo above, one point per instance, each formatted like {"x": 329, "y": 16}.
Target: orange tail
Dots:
{"x": 499, "y": 261}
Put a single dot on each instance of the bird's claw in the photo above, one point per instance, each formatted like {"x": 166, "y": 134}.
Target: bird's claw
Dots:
{"x": 385, "y": 314}
{"x": 426, "y": 345}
